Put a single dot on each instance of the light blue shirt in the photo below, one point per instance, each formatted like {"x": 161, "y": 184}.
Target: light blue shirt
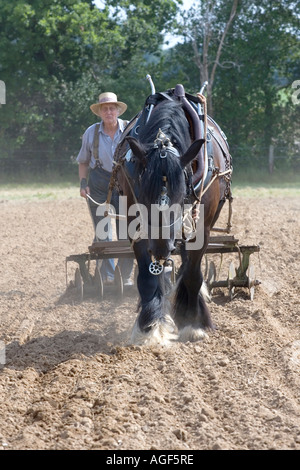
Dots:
{"x": 107, "y": 146}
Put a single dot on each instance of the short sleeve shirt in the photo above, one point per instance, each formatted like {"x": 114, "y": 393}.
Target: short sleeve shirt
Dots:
{"x": 106, "y": 149}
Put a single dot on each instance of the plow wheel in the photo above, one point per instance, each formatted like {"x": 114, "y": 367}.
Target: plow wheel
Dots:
{"x": 231, "y": 276}
{"x": 79, "y": 285}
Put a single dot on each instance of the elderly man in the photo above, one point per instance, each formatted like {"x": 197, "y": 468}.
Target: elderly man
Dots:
{"x": 95, "y": 161}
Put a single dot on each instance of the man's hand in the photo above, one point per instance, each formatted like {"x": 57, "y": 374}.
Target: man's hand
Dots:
{"x": 84, "y": 192}
{"x": 84, "y": 189}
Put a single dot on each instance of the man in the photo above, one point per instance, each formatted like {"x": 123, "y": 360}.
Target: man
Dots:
{"x": 95, "y": 161}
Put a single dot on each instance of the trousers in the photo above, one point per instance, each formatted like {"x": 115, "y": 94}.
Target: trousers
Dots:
{"x": 98, "y": 183}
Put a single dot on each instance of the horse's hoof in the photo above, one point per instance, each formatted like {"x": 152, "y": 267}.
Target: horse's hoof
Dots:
{"x": 160, "y": 333}
{"x": 189, "y": 333}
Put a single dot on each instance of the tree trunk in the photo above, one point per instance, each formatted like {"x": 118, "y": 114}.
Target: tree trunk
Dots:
{"x": 202, "y": 62}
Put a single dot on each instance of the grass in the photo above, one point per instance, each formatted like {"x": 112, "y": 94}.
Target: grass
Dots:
{"x": 250, "y": 184}
{"x": 264, "y": 192}
{"x": 262, "y": 184}
{"x": 38, "y": 191}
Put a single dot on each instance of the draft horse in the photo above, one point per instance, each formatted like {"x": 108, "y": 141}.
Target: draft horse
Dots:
{"x": 161, "y": 162}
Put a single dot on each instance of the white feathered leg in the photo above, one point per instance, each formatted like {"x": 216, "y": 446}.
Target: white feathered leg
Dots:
{"x": 205, "y": 292}
{"x": 189, "y": 333}
{"x": 161, "y": 333}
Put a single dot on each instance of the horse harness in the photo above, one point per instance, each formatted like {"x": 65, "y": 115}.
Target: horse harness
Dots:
{"x": 96, "y": 143}
{"x": 193, "y": 172}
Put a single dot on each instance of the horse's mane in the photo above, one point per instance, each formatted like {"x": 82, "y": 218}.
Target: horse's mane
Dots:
{"x": 169, "y": 117}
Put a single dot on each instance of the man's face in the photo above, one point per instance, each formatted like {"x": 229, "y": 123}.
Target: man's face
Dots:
{"x": 109, "y": 113}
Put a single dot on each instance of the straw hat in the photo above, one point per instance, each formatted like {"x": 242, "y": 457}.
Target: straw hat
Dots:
{"x": 105, "y": 98}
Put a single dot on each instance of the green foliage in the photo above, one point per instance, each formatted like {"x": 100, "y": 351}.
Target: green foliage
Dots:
{"x": 252, "y": 88}
{"x": 56, "y": 56}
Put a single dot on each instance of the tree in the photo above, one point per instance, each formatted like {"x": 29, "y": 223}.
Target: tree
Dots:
{"x": 259, "y": 61}
{"x": 56, "y": 57}
{"x": 206, "y": 27}
{"x": 45, "y": 47}
{"x": 265, "y": 45}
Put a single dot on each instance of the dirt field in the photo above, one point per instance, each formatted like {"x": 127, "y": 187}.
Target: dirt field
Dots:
{"x": 71, "y": 381}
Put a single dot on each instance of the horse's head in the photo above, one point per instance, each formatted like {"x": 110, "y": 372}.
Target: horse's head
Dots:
{"x": 160, "y": 160}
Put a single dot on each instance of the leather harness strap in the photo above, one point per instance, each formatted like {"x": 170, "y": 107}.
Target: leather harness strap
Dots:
{"x": 96, "y": 145}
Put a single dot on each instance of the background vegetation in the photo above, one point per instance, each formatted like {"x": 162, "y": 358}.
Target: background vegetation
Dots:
{"x": 56, "y": 56}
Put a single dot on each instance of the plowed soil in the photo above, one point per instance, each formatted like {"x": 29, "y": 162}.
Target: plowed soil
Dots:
{"x": 69, "y": 379}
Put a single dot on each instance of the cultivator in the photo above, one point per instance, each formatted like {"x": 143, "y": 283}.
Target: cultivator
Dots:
{"x": 241, "y": 275}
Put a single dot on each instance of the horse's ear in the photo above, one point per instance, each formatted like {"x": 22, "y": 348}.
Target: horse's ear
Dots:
{"x": 191, "y": 152}
{"x": 137, "y": 149}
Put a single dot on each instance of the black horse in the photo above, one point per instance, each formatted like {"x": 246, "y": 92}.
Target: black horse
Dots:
{"x": 157, "y": 174}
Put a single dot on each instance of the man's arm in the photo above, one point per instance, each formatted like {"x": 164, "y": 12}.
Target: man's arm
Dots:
{"x": 83, "y": 169}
